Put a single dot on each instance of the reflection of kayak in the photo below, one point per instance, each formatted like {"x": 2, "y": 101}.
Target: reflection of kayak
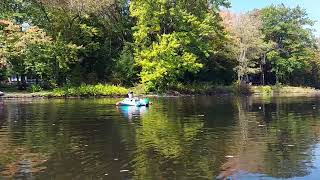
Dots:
{"x": 131, "y": 112}
{"x": 134, "y": 102}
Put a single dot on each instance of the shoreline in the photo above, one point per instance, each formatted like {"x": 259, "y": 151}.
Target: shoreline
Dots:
{"x": 256, "y": 91}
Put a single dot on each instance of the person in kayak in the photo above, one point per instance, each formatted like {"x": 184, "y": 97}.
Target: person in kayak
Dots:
{"x": 131, "y": 98}
{"x": 133, "y": 101}
{"x": 130, "y": 95}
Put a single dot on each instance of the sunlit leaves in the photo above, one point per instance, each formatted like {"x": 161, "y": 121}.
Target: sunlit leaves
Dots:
{"x": 34, "y": 52}
{"x": 173, "y": 38}
{"x": 286, "y": 27}
{"x": 162, "y": 63}
{"x": 248, "y": 44}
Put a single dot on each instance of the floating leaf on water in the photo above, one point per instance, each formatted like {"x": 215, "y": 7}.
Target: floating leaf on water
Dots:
{"x": 261, "y": 125}
{"x": 86, "y": 145}
{"x": 229, "y": 156}
{"x": 106, "y": 174}
{"x": 290, "y": 145}
{"x": 116, "y": 159}
{"x": 124, "y": 170}
{"x": 201, "y": 115}
{"x": 125, "y": 165}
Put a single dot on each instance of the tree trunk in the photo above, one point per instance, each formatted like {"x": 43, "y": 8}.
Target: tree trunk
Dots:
{"x": 262, "y": 64}
{"x": 262, "y": 75}
{"x": 315, "y": 73}
{"x": 18, "y": 81}
{"x": 23, "y": 84}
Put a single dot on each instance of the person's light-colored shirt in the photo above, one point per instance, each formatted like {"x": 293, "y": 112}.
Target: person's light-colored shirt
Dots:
{"x": 130, "y": 96}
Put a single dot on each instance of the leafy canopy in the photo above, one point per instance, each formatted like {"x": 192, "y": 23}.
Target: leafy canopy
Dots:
{"x": 173, "y": 38}
{"x": 289, "y": 29}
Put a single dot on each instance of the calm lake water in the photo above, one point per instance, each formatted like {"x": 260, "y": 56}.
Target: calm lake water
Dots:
{"x": 176, "y": 138}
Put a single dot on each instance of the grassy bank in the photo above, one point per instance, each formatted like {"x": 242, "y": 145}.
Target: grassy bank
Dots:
{"x": 89, "y": 90}
{"x": 69, "y": 91}
{"x": 205, "y": 89}
{"x": 284, "y": 91}
{"x": 277, "y": 90}
{"x": 101, "y": 90}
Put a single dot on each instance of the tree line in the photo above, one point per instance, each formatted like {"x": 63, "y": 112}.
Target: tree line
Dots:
{"x": 157, "y": 43}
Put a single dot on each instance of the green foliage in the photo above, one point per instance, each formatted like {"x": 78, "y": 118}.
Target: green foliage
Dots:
{"x": 162, "y": 65}
{"x": 139, "y": 89}
{"x": 12, "y": 9}
{"x": 265, "y": 90}
{"x": 202, "y": 89}
{"x": 45, "y": 57}
{"x": 193, "y": 88}
{"x": 172, "y": 38}
{"x": 3, "y": 74}
{"x": 90, "y": 90}
{"x": 160, "y": 43}
{"x": 248, "y": 44}
{"x": 283, "y": 90}
{"x": 283, "y": 66}
{"x": 293, "y": 40}
{"x": 125, "y": 70}
{"x": 33, "y": 52}
{"x": 34, "y": 88}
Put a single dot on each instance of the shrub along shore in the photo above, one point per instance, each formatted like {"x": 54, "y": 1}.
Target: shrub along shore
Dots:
{"x": 101, "y": 90}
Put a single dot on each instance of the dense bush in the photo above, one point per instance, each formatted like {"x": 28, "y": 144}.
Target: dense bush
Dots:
{"x": 283, "y": 90}
{"x": 265, "y": 90}
{"x": 34, "y": 88}
{"x": 203, "y": 88}
{"x": 90, "y": 90}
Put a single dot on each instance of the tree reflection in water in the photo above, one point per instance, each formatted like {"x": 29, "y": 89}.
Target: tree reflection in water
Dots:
{"x": 276, "y": 139}
{"x": 2, "y": 113}
{"x": 176, "y": 138}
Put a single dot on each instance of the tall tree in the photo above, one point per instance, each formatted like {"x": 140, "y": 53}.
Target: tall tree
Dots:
{"x": 32, "y": 52}
{"x": 248, "y": 43}
{"x": 173, "y": 38}
{"x": 289, "y": 29}
{"x": 101, "y": 28}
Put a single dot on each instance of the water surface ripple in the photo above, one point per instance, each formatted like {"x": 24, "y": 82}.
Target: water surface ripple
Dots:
{"x": 176, "y": 138}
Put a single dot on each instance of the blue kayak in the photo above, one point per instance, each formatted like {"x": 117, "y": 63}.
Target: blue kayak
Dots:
{"x": 134, "y": 102}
